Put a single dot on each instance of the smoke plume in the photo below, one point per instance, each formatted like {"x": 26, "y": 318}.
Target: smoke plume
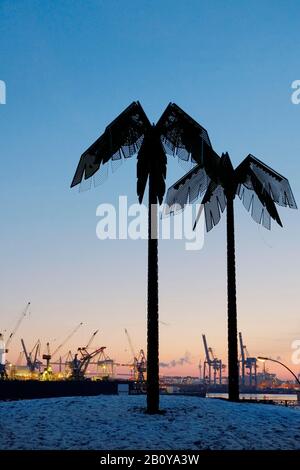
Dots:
{"x": 177, "y": 362}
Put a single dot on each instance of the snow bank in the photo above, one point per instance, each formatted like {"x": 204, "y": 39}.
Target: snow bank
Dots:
{"x": 119, "y": 422}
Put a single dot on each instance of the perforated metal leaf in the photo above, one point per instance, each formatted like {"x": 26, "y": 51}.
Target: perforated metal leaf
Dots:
{"x": 276, "y": 185}
{"x": 121, "y": 139}
{"x": 258, "y": 186}
{"x": 214, "y": 203}
{"x": 186, "y": 190}
{"x": 182, "y": 135}
{"x": 253, "y": 205}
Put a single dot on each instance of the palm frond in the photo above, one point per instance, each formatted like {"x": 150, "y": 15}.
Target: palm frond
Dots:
{"x": 276, "y": 185}
{"x": 182, "y": 136}
{"x": 214, "y": 203}
{"x": 186, "y": 190}
{"x": 122, "y": 138}
{"x": 255, "y": 206}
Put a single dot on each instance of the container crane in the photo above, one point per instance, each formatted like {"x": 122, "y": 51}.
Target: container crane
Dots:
{"x": 105, "y": 365}
{"x": 213, "y": 364}
{"x": 139, "y": 362}
{"x": 249, "y": 363}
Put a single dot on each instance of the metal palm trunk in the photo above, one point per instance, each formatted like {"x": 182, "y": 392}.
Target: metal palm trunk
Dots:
{"x": 131, "y": 133}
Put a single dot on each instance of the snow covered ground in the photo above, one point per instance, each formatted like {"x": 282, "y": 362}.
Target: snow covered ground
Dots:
{"x": 118, "y": 422}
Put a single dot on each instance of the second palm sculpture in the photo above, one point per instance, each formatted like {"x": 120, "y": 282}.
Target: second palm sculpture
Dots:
{"x": 260, "y": 188}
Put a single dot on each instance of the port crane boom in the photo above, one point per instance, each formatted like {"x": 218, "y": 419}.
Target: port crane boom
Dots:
{"x": 67, "y": 339}
{"x": 21, "y": 318}
{"x": 130, "y": 344}
{"x": 91, "y": 339}
{"x": 206, "y": 349}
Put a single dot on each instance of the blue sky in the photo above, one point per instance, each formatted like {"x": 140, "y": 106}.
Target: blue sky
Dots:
{"x": 70, "y": 67}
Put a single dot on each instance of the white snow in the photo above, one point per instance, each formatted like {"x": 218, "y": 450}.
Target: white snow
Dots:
{"x": 119, "y": 422}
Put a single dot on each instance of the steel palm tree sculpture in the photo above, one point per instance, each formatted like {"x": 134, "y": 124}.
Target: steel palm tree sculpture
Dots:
{"x": 260, "y": 188}
{"x": 129, "y": 134}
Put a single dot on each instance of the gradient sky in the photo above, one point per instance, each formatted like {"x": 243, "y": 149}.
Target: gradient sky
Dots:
{"x": 70, "y": 67}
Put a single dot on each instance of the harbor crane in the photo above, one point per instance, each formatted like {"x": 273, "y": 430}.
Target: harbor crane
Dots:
{"x": 105, "y": 365}
{"x": 141, "y": 366}
{"x": 68, "y": 358}
{"x": 48, "y": 356}
{"x": 247, "y": 363}
{"x": 33, "y": 363}
{"x": 213, "y": 364}
{"x": 79, "y": 365}
{"x": 139, "y": 362}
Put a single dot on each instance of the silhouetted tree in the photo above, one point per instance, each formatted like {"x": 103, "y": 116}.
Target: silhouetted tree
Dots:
{"x": 129, "y": 134}
{"x": 260, "y": 188}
